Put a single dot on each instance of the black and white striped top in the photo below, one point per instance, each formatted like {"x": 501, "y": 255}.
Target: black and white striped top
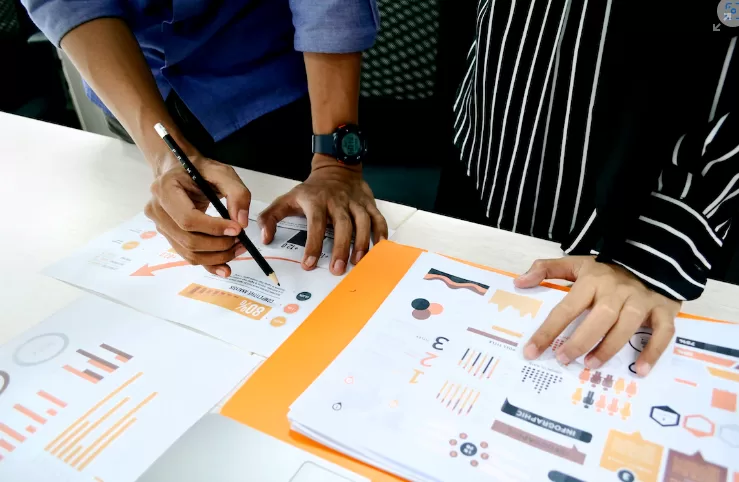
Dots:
{"x": 583, "y": 122}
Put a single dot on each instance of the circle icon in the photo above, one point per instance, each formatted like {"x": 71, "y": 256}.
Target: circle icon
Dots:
{"x": 639, "y": 340}
{"x": 728, "y": 13}
{"x": 626, "y": 476}
{"x": 336, "y": 406}
{"x": 468, "y": 449}
{"x": 303, "y": 296}
{"x": 40, "y": 349}
{"x": 130, "y": 245}
{"x": 435, "y": 308}
{"x": 148, "y": 234}
{"x": 349, "y": 380}
{"x": 278, "y": 321}
{"x": 420, "y": 304}
{"x": 291, "y": 308}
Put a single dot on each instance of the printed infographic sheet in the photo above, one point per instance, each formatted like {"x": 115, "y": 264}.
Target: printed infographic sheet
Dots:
{"x": 435, "y": 387}
{"x": 135, "y": 265}
{"x": 98, "y": 391}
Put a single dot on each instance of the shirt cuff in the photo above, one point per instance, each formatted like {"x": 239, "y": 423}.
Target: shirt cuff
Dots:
{"x": 57, "y": 18}
{"x": 669, "y": 248}
{"x": 335, "y": 27}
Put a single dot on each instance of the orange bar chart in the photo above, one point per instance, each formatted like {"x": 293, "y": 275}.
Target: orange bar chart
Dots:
{"x": 225, "y": 299}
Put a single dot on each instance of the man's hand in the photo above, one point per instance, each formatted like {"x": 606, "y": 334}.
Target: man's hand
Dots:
{"x": 178, "y": 209}
{"x": 619, "y": 304}
{"x": 334, "y": 193}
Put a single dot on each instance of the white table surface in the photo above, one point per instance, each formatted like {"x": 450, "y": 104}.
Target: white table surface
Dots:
{"x": 63, "y": 187}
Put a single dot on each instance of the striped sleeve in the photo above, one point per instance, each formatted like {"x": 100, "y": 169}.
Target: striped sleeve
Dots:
{"x": 680, "y": 229}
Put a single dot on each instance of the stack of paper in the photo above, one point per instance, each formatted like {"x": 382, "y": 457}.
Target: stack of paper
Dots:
{"x": 98, "y": 391}
{"x": 434, "y": 387}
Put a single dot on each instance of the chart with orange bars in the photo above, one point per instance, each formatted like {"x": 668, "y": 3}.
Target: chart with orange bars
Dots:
{"x": 89, "y": 393}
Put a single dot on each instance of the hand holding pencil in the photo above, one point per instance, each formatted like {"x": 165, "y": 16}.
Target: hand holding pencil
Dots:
{"x": 178, "y": 208}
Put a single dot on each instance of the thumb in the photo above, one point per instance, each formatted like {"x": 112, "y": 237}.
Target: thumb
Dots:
{"x": 275, "y": 212}
{"x": 230, "y": 185}
{"x": 562, "y": 268}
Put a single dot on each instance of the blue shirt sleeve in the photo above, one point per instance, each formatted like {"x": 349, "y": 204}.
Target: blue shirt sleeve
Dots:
{"x": 335, "y": 26}
{"x": 55, "y": 18}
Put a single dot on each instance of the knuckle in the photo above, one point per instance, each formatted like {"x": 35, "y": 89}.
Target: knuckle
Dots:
{"x": 187, "y": 222}
{"x": 633, "y": 311}
{"x": 605, "y": 310}
{"x": 539, "y": 264}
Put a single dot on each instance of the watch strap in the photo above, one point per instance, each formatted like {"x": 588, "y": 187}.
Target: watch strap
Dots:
{"x": 324, "y": 144}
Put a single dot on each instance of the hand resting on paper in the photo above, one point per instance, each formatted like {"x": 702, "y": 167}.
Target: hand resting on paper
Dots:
{"x": 178, "y": 208}
{"x": 619, "y": 305}
{"x": 336, "y": 193}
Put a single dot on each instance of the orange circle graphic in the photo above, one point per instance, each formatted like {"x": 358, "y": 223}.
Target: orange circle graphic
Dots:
{"x": 278, "y": 321}
{"x": 130, "y": 245}
{"x": 291, "y": 308}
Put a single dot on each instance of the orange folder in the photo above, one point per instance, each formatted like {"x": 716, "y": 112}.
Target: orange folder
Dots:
{"x": 264, "y": 400}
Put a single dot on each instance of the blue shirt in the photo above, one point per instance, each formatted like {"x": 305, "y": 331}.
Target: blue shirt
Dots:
{"x": 229, "y": 61}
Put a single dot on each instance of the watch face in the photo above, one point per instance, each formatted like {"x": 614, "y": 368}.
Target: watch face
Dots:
{"x": 351, "y": 144}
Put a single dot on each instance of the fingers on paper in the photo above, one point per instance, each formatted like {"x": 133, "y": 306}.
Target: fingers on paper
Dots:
{"x": 663, "y": 330}
{"x": 280, "y": 208}
{"x": 316, "y": 219}
{"x": 363, "y": 227}
{"x": 343, "y": 230}
{"x": 632, "y": 316}
{"x": 603, "y": 315}
{"x": 572, "y": 305}
{"x": 379, "y": 224}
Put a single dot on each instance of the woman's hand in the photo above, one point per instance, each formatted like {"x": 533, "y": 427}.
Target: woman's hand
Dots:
{"x": 619, "y": 305}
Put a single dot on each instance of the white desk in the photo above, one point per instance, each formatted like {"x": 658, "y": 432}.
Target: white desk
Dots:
{"x": 63, "y": 187}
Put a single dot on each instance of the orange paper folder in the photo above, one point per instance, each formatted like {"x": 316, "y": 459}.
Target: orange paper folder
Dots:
{"x": 264, "y": 400}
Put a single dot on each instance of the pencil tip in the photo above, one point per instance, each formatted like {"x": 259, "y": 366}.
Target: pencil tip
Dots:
{"x": 273, "y": 277}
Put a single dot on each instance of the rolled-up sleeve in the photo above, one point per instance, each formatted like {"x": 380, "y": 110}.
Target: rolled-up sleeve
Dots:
{"x": 55, "y": 18}
{"x": 335, "y": 26}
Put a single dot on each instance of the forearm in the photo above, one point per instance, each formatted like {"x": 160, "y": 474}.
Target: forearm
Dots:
{"x": 108, "y": 57}
{"x": 333, "y": 85}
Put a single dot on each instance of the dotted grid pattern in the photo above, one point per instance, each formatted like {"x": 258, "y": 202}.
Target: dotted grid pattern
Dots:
{"x": 402, "y": 63}
{"x": 540, "y": 379}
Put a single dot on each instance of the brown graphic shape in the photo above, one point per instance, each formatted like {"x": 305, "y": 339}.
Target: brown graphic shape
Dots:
{"x": 571, "y": 454}
{"x": 524, "y": 304}
{"x": 455, "y": 282}
{"x": 691, "y": 468}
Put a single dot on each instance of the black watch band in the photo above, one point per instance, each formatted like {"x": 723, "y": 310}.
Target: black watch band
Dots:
{"x": 324, "y": 144}
{"x": 346, "y": 144}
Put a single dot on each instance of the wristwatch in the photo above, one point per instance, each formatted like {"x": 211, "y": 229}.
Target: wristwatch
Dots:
{"x": 347, "y": 144}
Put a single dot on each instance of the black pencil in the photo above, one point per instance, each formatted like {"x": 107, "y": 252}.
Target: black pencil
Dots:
{"x": 213, "y": 198}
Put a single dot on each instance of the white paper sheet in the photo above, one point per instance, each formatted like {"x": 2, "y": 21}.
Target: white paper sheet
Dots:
{"x": 135, "y": 265}
{"x": 98, "y": 391}
{"x": 435, "y": 387}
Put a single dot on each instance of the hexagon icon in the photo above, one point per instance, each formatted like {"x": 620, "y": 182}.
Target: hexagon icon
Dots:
{"x": 729, "y": 434}
{"x": 699, "y": 425}
{"x": 665, "y": 416}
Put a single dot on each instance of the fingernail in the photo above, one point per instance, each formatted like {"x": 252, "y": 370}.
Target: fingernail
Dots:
{"x": 221, "y": 272}
{"x": 563, "y": 359}
{"x": 243, "y": 217}
{"x": 231, "y": 232}
{"x": 310, "y": 261}
{"x": 339, "y": 266}
{"x": 593, "y": 363}
{"x": 643, "y": 369}
{"x": 531, "y": 351}
{"x": 264, "y": 236}
{"x": 358, "y": 256}
{"x": 523, "y": 276}
{"x": 240, "y": 250}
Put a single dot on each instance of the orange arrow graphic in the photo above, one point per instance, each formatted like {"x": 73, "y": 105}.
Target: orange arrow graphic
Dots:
{"x": 147, "y": 270}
